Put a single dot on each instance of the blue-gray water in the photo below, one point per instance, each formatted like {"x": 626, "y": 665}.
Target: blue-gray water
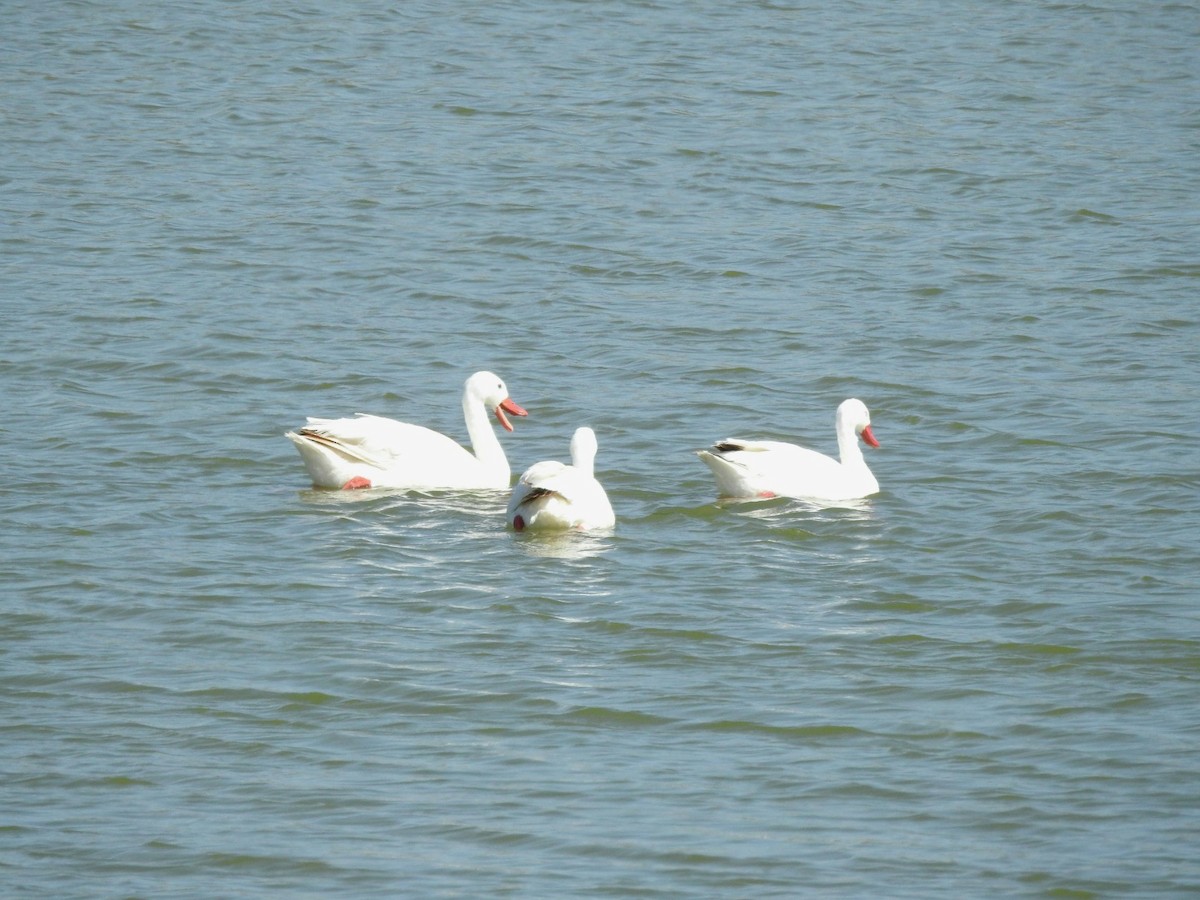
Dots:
{"x": 674, "y": 222}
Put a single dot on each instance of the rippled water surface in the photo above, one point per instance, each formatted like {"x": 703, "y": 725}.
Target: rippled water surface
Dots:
{"x": 675, "y": 223}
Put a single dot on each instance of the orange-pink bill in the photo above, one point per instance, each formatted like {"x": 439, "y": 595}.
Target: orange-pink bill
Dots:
{"x": 507, "y": 405}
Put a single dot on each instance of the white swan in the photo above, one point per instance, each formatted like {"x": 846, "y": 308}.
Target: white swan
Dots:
{"x": 774, "y": 469}
{"x": 371, "y": 451}
{"x": 553, "y": 496}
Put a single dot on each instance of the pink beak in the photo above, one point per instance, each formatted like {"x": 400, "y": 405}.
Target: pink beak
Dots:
{"x": 507, "y": 404}
{"x": 866, "y": 435}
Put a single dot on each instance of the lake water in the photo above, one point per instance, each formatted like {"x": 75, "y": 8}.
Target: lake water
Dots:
{"x": 674, "y": 222}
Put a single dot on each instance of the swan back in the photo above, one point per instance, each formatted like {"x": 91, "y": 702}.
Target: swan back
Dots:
{"x": 553, "y": 496}
{"x": 775, "y": 469}
{"x": 371, "y": 451}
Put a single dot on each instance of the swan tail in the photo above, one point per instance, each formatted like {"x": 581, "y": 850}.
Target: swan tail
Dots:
{"x": 347, "y": 451}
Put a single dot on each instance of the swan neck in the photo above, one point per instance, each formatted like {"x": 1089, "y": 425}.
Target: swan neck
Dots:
{"x": 484, "y": 443}
{"x": 849, "y": 450}
{"x": 583, "y": 452}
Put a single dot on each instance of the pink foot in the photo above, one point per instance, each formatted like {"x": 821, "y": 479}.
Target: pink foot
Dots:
{"x": 356, "y": 483}
{"x": 518, "y": 523}
{"x": 767, "y": 495}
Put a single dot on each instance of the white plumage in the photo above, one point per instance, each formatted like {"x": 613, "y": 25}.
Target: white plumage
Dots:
{"x": 746, "y": 469}
{"x": 554, "y": 496}
{"x": 372, "y": 451}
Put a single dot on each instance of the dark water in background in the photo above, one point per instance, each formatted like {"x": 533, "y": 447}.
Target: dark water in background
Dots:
{"x": 673, "y": 222}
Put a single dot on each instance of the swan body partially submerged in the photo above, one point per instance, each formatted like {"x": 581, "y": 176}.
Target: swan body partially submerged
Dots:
{"x": 372, "y": 451}
{"x": 748, "y": 469}
{"x": 552, "y": 496}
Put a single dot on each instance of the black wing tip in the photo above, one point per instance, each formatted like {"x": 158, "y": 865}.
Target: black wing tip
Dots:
{"x": 535, "y": 494}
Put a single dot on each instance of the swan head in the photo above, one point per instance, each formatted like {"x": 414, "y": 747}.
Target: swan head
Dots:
{"x": 490, "y": 390}
{"x": 853, "y": 413}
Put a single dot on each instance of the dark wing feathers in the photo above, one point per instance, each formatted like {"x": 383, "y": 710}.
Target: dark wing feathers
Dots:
{"x": 727, "y": 446}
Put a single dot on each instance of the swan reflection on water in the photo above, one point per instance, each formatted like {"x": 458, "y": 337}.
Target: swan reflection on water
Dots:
{"x": 564, "y": 544}
{"x": 783, "y": 507}
{"x": 483, "y": 509}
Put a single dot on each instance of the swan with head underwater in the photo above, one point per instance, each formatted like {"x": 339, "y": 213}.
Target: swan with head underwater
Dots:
{"x": 366, "y": 451}
{"x": 552, "y": 496}
{"x": 758, "y": 469}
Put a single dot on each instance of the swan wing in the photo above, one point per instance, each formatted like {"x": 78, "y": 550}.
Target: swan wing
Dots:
{"x": 384, "y": 443}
